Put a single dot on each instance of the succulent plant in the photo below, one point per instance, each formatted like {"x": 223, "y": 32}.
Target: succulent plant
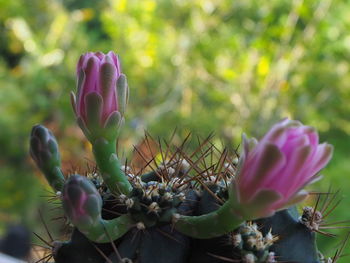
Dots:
{"x": 202, "y": 206}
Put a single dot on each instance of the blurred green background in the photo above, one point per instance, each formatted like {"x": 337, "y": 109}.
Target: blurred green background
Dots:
{"x": 203, "y": 66}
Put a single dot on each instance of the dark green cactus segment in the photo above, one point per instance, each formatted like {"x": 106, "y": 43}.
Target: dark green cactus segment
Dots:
{"x": 296, "y": 242}
{"x": 112, "y": 207}
{"x": 208, "y": 202}
{"x": 206, "y": 250}
{"x": 203, "y": 249}
{"x": 80, "y": 250}
{"x": 129, "y": 245}
{"x": 164, "y": 245}
{"x": 155, "y": 244}
{"x": 45, "y": 153}
{"x": 190, "y": 205}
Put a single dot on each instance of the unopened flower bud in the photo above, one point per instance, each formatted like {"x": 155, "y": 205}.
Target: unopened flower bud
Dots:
{"x": 102, "y": 93}
{"x": 44, "y": 151}
{"x": 81, "y": 201}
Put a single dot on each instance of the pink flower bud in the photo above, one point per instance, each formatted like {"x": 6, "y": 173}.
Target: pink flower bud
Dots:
{"x": 274, "y": 170}
{"x": 102, "y": 91}
{"x": 81, "y": 201}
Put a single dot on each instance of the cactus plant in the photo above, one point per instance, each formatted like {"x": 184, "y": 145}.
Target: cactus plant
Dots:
{"x": 204, "y": 206}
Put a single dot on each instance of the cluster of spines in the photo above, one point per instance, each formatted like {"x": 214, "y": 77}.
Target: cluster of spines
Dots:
{"x": 152, "y": 202}
{"x": 254, "y": 247}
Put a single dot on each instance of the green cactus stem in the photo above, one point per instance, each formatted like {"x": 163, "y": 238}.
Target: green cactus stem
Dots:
{"x": 210, "y": 225}
{"x": 225, "y": 219}
{"x": 82, "y": 204}
{"x": 107, "y": 230}
{"x": 45, "y": 153}
{"x": 108, "y": 163}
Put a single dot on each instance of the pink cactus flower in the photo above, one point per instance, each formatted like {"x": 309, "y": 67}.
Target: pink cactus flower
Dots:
{"x": 275, "y": 170}
{"x": 102, "y": 90}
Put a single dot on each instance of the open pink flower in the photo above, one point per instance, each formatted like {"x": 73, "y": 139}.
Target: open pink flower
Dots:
{"x": 102, "y": 91}
{"x": 275, "y": 170}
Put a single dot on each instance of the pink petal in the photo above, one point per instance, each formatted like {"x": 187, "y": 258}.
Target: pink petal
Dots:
{"x": 322, "y": 156}
{"x": 108, "y": 79}
{"x": 83, "y": 60}
{"x": 115, "y": 60}
{"x": 294, "y": 143}
{"x": 266, "y": 166}
{"x": 287, "y": 181}
{"x": 89, "y": 85}
{"x": 99, "y": 55}
{"x": 311, "y": 131}
{"x": 280, "y": 132}
{"x": 80, "y": 64}
{"x": 315, "y": 162}
{"x": 276, "y": 135}
{"x": 300, "y": 175}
